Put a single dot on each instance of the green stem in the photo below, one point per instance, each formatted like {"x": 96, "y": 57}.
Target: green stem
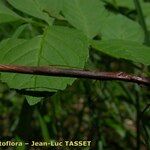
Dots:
{"x": 142, "y": 21}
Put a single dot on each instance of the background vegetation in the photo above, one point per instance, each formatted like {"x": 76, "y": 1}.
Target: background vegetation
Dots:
{"x": 109, "y": 35}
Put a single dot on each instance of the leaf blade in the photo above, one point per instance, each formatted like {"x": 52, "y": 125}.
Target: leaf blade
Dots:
{"x": 120, "y": 27}
{"x": 85, "y": 15}
{"x": 58, "y": 45}
{"x": 124, "y": 49}
{"x": 6, "y": 14}
{"x": 32, "y": 8}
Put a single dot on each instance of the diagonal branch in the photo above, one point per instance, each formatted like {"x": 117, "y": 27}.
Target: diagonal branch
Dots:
{"x": 74, "y": 73}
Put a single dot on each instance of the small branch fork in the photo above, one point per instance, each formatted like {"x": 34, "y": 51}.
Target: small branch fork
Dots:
{"x": 75, "y": 73}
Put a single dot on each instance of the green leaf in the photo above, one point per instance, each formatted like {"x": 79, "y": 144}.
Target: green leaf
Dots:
{"x": 120, "y": 27}
{"x": 3, "y": 87}
{"x": 31, "y": 7}
{"x": 33, "y": 100}
{"x": 53, "y": 7}
{"x": 148, "y": 22}
{"x": 146, "y": 12}
{"x": 85, "y": 15}
{"x": 124, "y": 49}
{"x": 58, "y": 46}
{"x": 19, "y": 30}
{"x": 6, "y": 14}
{"x": 126, "y": 3}
{"x": 130, "y": 5}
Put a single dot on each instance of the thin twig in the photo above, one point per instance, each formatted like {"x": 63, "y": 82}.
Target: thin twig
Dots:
{"x": 75, "y": 73}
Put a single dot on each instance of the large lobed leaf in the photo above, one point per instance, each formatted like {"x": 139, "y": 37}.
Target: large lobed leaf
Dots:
{"x": 85, "y": 15}
{"x": 58, "y": 46}
{"x": 31, "y": 7}
{"x": 120, "y": 27}
{"x": 131, "y": 5}
{"x": 52, "y": 7}
{"x": 6, "y": 14}
{"x": 129, "y": 50}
